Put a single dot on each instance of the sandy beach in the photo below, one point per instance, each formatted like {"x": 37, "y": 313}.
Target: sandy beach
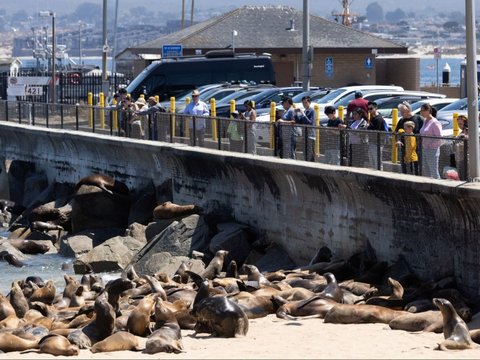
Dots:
{"x": 272, "y": 338}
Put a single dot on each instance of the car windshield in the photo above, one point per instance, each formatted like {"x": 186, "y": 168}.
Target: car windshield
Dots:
{"x": 460, "y": 104}
{"x": 332, "y": 95}
{"x": 238, "y": 95}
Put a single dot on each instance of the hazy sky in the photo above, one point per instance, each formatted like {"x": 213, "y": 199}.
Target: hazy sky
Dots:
{"x": 317, "y": 6}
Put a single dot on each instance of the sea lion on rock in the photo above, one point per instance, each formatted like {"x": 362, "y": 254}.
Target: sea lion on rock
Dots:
{"x": 43, "y": 226}
{"x": 455, "y": 330}
{"x": 119, "y": 341}
{"x": 10, "y": 259}
{"x": 104, "y": 182}
{"x": 30, "y": 247}
{"x": 169, "y": 210}
{"x": 168, "y": 337}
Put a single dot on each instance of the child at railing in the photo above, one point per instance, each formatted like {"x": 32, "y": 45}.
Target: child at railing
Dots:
{"x": 409, "y": 144}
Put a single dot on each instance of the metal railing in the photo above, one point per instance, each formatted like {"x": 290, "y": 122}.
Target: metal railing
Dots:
{"x": 378, "y": 150}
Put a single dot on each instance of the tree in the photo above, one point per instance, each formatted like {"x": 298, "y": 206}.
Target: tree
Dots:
{"x": 395, "y": 16}
{"x": 374, "y": 12}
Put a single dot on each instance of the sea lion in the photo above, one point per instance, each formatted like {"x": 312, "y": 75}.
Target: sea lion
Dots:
{"x": 57, "y": 345}
{"x": 215, "y": 266}
{"x": 104, "y": 182}
{"x": 256, "y": 279}
{"x": 119, "y": 341}
{"x": 168, "y": 337}
{"x": 431, "y": 321}
{"x": 30, "y": 247}
{"x": 45, "y": 294}
{"x": 18, "y": 300}
{"x": 361, "y": 314}
{"x": 156, "y": 286}
{"x": 11, "y": 259}
{"x": 455, "y": 330}
{"x": 43, "y": 226}
{"x": 139, "y": 319}
{"x": 169, "y": 210}
{"x": 332, "y": 290}
{"x": 10, "y": 342}
{"x": 71, "y": 286}
{"x": 184, "y": 266}
{"x": 393, "y": 301}
{"x": 11, "y": 322}
{"x": 218, "y": 315}
{"x": 313, "y": 306}
{"x": 77, "y": 299}
{"x": 6, "y": 309}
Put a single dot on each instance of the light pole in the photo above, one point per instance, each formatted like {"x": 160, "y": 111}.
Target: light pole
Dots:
{"x": 80, "y": 24}
{"x": 52, "y": 15}
{"x": 234, "y": 35}
{"x": 307, "y": 52}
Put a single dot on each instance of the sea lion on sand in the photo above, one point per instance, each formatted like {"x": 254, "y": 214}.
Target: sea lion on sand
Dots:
{"x": 18, "y": 300}
{"x": 215, "y": 266}
{"x": 71, "y": 286}
{"x": 256, "y": 279}
{"x": 10, "y": 342}
{"x": 332, "y": 290}
{"x": 6, "y": 309}
{"x": 314, "y": 306}
{"x": 119, "y": 341}
{"x": 139, "y": 319}
{"x": 77, "y": 299}
{"x": 57, "y": 345}
{"x": 218, "y": 315}
{"x": 156, "y": 286}
{"x": 424, "y": 321}
{"x": 11, "y": 259}
{"x": 168, "y": 337}
{"x": 169, "y": 210}
{"x": 104, "y": 182}
{"x": 361, "y": 314}
{"x": 455, "y": 330}
{"x": 45, "y": 294}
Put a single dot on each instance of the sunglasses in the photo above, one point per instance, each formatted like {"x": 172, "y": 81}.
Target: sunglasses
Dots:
{"x": 194, "y": 95}
{"x": 371, "y": 108}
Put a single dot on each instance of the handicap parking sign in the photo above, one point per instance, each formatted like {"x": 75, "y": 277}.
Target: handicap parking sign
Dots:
{"x": 368, "y": 63}
{"x": 329, "y": 66}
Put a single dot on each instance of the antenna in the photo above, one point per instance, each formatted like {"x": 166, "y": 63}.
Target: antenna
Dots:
{"x": 346, "y": 15}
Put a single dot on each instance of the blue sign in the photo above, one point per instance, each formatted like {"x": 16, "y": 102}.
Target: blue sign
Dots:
{"x": 368, "y": 63}
{"x": 175, "y": 50}
{"x": 329, "y": 66}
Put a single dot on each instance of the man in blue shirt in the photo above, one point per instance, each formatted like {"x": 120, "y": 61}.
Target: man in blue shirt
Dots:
{"x": 307, "y": 117}
{"x": 197, "y": 124}
{"x": 285, "y": 129}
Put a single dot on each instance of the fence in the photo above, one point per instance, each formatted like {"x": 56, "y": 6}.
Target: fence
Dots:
{"x": 72, "y": 87}
{"x": 435, "y": 157}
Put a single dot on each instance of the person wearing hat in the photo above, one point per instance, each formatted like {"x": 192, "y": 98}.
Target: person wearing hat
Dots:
{"x": 358, "y": 102}
{"x": 151, "y": 111}
{"x": 197, "y": 123}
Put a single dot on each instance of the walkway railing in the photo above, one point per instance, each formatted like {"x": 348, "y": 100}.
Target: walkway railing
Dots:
{"x": 360, "y": 148}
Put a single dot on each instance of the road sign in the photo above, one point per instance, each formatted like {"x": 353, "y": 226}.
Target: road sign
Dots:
{"x": 174, "y": 50}
{"x": 34, "y": 90}
{"x": 437, "y": 53}
{"x": 329, "y": 66}
{"x": 368, "y": 63}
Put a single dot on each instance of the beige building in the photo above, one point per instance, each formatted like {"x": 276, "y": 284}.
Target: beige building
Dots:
{"x": 342, "y": 55}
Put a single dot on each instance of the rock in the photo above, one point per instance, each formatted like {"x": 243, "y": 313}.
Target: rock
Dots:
{"x": 35, "y": 185}
{"x": 165, "y": 262}
{"x": 275, "y": 259}
{"x": 155, "y": 228}
{"x": 81, "y": 243}
{"x": 233, "y": 237}
{"x": 94, "y": 208}
{"x": 137, "y": 231}
{"x": 6, "y": 246}
{"x": 180, "y": 238}
{"x": 111, "y": 256}
{"x": 142, "y": 209}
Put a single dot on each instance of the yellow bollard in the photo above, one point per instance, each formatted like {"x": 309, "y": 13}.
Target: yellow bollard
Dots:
{"x": 341, "y": 114}
{"x": 317, "y": 130}
{"x": 394, "y": 136}
{"x": 102, "y": 110}
{"x": 213, "y": 114}
{"x": 172, "y": 111}
{"x": 115, "y": 116}
{"x": 253, "y": 103}
{"x": 157, "y": 98}
{"x": 273, "y": 119}
{"x": 90, "y": 113}
{"x": 142, "y": 96}
{"x": 185, "y": 123}
{"x": 456, "y": 129}
{"x": 232, "y": 108}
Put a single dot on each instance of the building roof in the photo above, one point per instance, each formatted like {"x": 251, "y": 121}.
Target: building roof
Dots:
{"x": 261, "y": 27}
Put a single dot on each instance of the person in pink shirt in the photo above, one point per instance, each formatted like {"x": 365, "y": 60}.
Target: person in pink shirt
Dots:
{"x": 431, "y": 132}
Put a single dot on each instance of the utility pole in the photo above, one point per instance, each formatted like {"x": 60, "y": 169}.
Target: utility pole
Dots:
{"x": 114, "y": 53}
{"x": 306, "y": 53}
{"x": 192, "y": 11}
{"x": 183, "y": 14}
{"x": 104, "y": 51}
{"x": 472, "y": 92}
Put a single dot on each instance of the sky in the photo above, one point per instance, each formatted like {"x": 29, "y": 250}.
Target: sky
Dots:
{"x": 316, "y": 6}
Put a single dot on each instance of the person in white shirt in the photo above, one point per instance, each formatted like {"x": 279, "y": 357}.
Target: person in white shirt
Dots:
{"x": 197, "y": 124}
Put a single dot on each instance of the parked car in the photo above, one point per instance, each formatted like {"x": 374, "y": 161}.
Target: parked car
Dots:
{"x": 445, "y": 116}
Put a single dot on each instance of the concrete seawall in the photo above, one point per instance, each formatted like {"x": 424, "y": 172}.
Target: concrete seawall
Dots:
{"x": 302, "y": 206}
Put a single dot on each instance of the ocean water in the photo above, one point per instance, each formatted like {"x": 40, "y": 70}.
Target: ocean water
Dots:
{"x": 428, "y": 70}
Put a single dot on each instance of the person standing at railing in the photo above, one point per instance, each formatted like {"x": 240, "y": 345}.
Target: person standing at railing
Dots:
{"x": 285, "y": 126}
{"x": 406, "y": 112}
{"x": 459, "y": 146}
{"x": 197, "y": 124}
{"x": 250, "y": 114}
{"x": 431, "y": 142}
{"x": 358, "y": 102}
{"x": 307, "y": 117}
{"x": 153, "y": 122}
{"x": 377, "y": 123}
{"x": 408, "y": 142}
{"x": 332, "y": 153}
{"x": 357, "y": 142}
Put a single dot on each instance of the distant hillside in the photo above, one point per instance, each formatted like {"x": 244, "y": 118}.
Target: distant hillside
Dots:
{"x": 318, "y": 7}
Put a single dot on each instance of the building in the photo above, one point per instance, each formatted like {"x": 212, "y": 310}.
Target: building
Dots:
{"x": 342, "y": 55}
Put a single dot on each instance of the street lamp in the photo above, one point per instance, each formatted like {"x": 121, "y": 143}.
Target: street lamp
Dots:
{"x": 80, "y": 24}
{"x": 52, "y": 15}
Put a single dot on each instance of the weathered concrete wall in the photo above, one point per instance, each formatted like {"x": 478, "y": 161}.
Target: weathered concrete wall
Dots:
{"x": 302, "y": 206}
